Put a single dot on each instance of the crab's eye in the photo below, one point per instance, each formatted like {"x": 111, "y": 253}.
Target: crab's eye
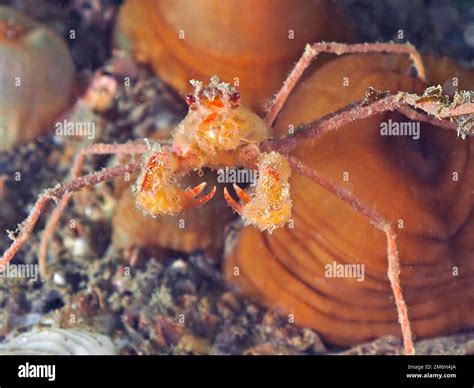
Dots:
{"x": 190, "y": 99}
{"x": 234, "y": 98}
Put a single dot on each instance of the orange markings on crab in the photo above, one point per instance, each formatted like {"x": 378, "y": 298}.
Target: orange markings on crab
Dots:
{"x": 272, "y": 172}
{"x": 153, "y": 163}
{"x": 146, "y": 184}
{"x": 217, "y": 102}
{"x": 210, "y": 118}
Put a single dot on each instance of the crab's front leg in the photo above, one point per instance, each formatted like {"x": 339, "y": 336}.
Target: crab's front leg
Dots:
{"x": 268, "y": 205}
{"x": 157, "y": 191}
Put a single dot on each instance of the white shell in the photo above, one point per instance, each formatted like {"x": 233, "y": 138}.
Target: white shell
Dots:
{"x": 55, "y": 341}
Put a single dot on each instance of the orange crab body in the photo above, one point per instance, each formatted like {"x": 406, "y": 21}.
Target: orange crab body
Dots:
{"x": 217, "y": 132}
{"x": 217, "y": 124}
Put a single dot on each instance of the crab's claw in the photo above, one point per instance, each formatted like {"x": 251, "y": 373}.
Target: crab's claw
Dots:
{"x": 157, "y": 191}
{"x": 269, "y": 206}
{"x": 191, "y": 195}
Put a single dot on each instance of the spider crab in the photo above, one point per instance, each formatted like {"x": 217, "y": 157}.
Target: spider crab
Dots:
{"x": 219, "y": 132}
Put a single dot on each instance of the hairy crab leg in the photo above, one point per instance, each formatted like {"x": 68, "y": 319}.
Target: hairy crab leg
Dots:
{"x": 311, "y": 51}
{"x": 380, "y": 223}
{"x": 94, "y": 149}
{"x": 414, "y": 115}
{"x": 362, "y": 110}
{"x": 59, "y": 191}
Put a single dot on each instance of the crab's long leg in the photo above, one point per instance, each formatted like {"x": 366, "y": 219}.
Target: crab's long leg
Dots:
{"x": 94, "y": 149}
{"x": 313, "y": 50}
{"x": 402, "y": 101}
{"x": 59, "y": 191}
{"x": 380, "y": 223}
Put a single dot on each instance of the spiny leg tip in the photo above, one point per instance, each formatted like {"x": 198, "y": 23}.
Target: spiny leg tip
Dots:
{"x": 231, "y": 201}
